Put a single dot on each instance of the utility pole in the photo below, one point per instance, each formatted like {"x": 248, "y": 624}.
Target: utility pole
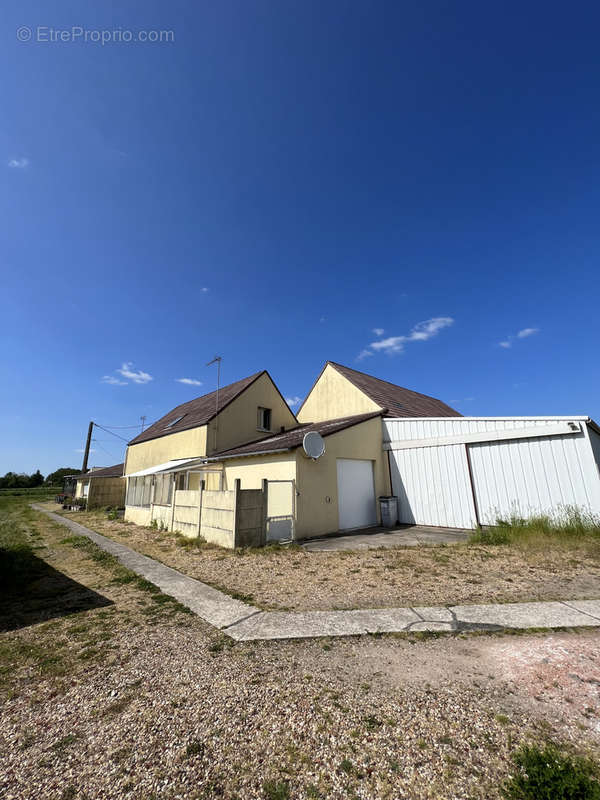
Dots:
{"x": 87, "y": 447}
{"x": 216, "y": 359}
{"x": 143, "y": 422}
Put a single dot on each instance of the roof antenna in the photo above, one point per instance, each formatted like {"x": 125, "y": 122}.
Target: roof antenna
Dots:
{"x": 216, "y": 359}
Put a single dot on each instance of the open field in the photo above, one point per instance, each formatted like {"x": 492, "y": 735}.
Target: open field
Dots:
{"x": 110, "y": 690}
{"x": 298, "y": 580}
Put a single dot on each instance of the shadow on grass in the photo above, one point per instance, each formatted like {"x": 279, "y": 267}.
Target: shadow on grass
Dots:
{"x": 32, "y": 591}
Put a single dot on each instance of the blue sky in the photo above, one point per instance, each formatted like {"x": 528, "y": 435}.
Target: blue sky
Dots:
{"x": 401, "y": 187}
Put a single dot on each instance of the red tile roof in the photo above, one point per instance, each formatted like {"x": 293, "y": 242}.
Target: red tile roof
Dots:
{"x": 195, "y": 412}
{"x": 288, "y": 440}
{"x": 397, "y": 401}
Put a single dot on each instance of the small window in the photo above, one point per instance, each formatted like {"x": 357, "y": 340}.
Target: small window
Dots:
{"x": 181, "y": 481}
{"x": 174, "y": 421}
{"x": 264, "y": 419}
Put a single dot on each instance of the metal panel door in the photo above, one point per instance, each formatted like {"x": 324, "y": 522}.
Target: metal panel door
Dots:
{"x": 356, "y": 494}
{"x": 526, "y": 477}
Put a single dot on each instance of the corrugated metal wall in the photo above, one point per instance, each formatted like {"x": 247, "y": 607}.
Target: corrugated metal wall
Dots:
{"x": 538, "y": 475}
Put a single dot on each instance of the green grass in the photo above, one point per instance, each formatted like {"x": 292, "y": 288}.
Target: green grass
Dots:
{"x": 276, "y": 790}
{"x": 568, "y": 528}
{"x": 547, "y": 774}
{"x": 18, "y": 542}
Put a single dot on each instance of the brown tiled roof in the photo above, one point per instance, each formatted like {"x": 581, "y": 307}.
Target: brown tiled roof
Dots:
{"x": 397, "y": 401}
{"x": 116, "y": 471}
{"x": 195, "y": 412}
{"x": 288, "y": 440}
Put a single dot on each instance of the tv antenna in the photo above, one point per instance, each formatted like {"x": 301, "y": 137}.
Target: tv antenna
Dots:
{"x": 216, "y": 360}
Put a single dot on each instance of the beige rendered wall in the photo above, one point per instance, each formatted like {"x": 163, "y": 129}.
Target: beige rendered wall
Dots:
{"x": 317, "y": 480}
{"x": 139, "y": 515}
{"x": 237, "y": 423}
{"x": 251, "y": 471}
{"x": 184, "y": 444}
{"x": 332, "y": 397}
{"x": 79, "y": 487}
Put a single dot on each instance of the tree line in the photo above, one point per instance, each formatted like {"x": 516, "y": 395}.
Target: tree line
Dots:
{"x": 20, "y": 480}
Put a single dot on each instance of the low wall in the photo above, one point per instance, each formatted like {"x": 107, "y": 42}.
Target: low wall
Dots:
{"x": 139, "y": 515}
{"x": 230, "y": 519}
{"x": 217, "y": 523}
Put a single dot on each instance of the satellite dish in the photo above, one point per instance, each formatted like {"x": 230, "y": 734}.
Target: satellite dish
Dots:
{"x": 313, "y": 445}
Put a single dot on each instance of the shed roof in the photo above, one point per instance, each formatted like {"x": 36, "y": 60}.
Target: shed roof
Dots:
{"x": 398, "y": 401}
{"x": 196, "y": 412}
{"x": 288, "y": 440}
{"x": 116, "y": 471}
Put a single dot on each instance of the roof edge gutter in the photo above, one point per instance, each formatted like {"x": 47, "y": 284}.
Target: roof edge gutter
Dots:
{"x": 247, "y": 455}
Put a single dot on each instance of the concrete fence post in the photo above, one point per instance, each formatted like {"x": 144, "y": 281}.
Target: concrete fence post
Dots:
{"x": 174, "y": 480}
{"x": 265, "y": 511}
{"x": 200, "y": 498}
{"x": 236, "y": 496}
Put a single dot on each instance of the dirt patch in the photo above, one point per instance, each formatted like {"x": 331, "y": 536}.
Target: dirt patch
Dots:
{"x": 302, "y": 581}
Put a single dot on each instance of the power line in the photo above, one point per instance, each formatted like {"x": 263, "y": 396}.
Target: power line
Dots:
{"x": 122, "y": 427}
{"x": 112, "y": 455}
{"x": 111, "y": 433}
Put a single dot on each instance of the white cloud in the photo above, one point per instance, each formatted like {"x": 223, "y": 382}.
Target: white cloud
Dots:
{"x": 112, "y": 380}
{"x": 293, "y": 401}
{"x": 81, "y": 450}
{"x": 128, "y": 372}
{"x": 18, "y": 163}
{"x": 364, "y": 354}
{"x": 378, "y": 331}
{"x": 421, "y": 332}
{"x": 205, "y": 288}
{"x": 527, "y": 332}
{"x": 522, "y": 334}
{"x": 189, "y": 381}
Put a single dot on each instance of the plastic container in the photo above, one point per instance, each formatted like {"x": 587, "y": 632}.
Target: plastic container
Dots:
{"x": 389, "y": 511}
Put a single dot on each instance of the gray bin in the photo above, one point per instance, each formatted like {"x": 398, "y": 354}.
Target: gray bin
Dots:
{"x": 389, "y": 511}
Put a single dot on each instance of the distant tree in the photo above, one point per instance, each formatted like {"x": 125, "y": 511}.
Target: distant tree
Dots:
{"x": 36, "y": 479}
{"x": 57, "y": 477}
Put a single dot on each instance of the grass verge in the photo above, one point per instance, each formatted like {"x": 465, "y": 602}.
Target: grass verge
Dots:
{"x": 569, "y": 528}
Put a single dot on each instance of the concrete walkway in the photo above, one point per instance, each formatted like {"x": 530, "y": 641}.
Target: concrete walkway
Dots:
{"x": 244, "y": 622}
{"x": 373, "y": 538}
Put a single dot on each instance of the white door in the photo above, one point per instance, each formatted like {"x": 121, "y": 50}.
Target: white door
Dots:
{"x": 356, "y": 494}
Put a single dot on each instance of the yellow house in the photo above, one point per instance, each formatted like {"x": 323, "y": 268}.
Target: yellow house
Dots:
{"x": 241, "y": 468}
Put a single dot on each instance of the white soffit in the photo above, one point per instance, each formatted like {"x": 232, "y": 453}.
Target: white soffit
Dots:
{"x": 166, "y": 467}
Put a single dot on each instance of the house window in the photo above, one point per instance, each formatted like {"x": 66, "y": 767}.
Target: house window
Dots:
{"x": 264, "y": 419}
{"x": 138, "y": 491}
{"x": 181, "y": 480}
{"x": 163, "y": 485}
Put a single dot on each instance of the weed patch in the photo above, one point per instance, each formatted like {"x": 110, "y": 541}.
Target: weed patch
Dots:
{"x": 547, "y": 774}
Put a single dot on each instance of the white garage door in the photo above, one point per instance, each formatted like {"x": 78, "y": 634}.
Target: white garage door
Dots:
{"x": 356, "y": 493}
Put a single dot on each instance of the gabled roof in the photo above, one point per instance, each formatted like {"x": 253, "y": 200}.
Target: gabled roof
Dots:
{"x": 116, "y": 471}
{"x": 196, "y": 412}
{"x": 398, "y": 401}
{"x": 288, "y": 440}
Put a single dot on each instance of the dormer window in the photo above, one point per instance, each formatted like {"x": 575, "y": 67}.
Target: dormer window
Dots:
{"x": 264, "y": 419}
{"x": 174, "y": 422}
